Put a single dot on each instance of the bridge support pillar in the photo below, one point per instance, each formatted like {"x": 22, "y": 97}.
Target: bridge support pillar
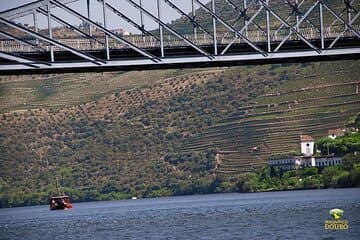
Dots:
{"x": 297, "y": 14}
{"x": 35, "y": 25}
{"x": 161, "y": 31}
{"x": 141, "y": 18}
{"x": 106, "y": 36}
{"x": 213, "y": 8}
{"x": 89, "y": 16}
{"x": 348, "y": 10}
{"x": 245, "y": 17}
{"x": 52, "y": 58}
{"x": 268, "y": 33}
{"x": 194, "y": 17}
{"x": 321, "y": 25}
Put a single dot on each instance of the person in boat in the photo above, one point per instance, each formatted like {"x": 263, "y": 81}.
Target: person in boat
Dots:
{"x": 53, "y": 202}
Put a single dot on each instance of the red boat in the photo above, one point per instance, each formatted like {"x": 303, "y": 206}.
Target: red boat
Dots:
{"x": 61, "y": 201}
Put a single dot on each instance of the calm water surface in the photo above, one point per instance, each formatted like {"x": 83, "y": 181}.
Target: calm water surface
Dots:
{"x": 272, "y": 215}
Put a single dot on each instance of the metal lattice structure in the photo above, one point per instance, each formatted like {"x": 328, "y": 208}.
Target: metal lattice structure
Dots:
{"x": 248, "y": 32}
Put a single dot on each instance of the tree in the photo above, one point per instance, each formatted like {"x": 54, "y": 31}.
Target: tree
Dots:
{"x": 330, "y": 175}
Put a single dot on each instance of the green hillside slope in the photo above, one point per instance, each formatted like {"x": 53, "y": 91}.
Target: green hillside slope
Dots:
{"x": 157, "y": 133}
{"x": 172, "y": 135}
{"x": 310, "y": 104}
{"x": 56, "y": 91}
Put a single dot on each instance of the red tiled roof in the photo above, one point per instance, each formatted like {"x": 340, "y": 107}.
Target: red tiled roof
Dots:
{"x": 306, "y": 138}
{"x": 336, "y": 132}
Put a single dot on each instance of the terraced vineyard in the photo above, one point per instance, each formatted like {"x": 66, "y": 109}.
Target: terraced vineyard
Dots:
{"x": 58, "y": 91}
{"x": 169, "y": 132}
{"x": 273, "y": 123}
{"x": 163, "y": 132}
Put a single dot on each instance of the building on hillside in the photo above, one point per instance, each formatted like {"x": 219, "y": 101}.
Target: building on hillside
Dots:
{"x": 334, "y": 133}
{"x": 307, "y": 159}
{"x": 289, "y": 162}
{"x": 307, "y": 145}
{"x": 299, "y": 162}
{"x": 121, "y": 32}
{"x": 325, "y": 161}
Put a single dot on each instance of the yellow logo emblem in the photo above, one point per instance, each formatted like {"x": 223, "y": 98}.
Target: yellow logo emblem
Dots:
{"x": 336, "y": 213}
{"x": 337, "y": 223}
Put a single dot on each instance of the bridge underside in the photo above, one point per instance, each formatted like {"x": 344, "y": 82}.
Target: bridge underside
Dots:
{"x": 261, "y": 34}
{"x": 125, "y": 60}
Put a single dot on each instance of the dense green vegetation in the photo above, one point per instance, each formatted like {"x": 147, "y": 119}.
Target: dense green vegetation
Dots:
{"x": 269, "y": 179}
{"x": 340, "y": 145}
{"x": 162, "y": 139}
{"x": 172, "y": 132}
{"x": 264, "y": 179}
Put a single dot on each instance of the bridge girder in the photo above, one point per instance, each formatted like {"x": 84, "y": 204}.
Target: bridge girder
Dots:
{"x": 260, "y": 33}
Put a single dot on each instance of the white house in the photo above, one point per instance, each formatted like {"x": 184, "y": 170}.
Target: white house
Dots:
{"x": 298, "y": 162}
{"x": 333, "y": 133}
{"x": 307, "y": 145}
{"x": 307, "y": 159}
{"x": 121, "y": 32}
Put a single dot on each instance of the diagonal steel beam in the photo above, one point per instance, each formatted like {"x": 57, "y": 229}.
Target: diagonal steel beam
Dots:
{"x": 127, "y": 19}
{"x": 342, "y": 20}
{"x": 296, "y": 26}
{"x": 27, "y": 9}
{"x": 287, "y": 19}
{"x": 346, "y": 29}
{"x": 192, "y": 20}
{"x": 161, "y": 23}
{"x": 243, "y": 14}
{"x": 243, "y": 29}
{"x": 297, "y": 11}
{"x": 59, "y": 20}
{"x": 106, "y": 31}
{"x": 230, "y": 28}
{"x": 246, "y": 7}
{"x": 14, "y": 57}
{"x": 292, "y": 29}
{"x": 342, "y": 13}
{"x": 52, "y": 41}
{"x": 22, "y": 41}
{"x": 27, "y": 60}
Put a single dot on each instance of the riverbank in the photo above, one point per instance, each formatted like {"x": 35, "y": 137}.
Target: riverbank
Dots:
{"x": 263, "y": 180}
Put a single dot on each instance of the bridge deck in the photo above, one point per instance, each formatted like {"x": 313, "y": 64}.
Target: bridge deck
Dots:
{"x": 318, "y": 31}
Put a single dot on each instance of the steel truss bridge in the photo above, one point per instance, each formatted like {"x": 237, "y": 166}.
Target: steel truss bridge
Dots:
{"x": 251, "y": 32}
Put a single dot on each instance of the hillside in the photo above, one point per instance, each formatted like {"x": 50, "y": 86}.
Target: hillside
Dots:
{"x": 307, "y": 104}
{"x": 169, "y": 132}
{"x": 172, "y": 135}
{"x": 56, "y": 91}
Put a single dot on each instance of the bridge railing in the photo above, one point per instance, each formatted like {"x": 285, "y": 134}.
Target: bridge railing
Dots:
{"x": 223, "y": 38}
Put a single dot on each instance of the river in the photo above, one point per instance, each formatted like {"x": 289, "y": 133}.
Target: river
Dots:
{"x": 270, "y": 215}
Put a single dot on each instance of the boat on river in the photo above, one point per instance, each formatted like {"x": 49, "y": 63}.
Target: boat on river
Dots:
{"x": 60, "y": 201}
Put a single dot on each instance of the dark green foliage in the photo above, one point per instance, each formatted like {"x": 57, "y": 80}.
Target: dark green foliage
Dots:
{"x": 357, "y": 122}
{"x": 267, "y": 179}
{"x": 340, "y": 145}
{"x": 193, "y": 162}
